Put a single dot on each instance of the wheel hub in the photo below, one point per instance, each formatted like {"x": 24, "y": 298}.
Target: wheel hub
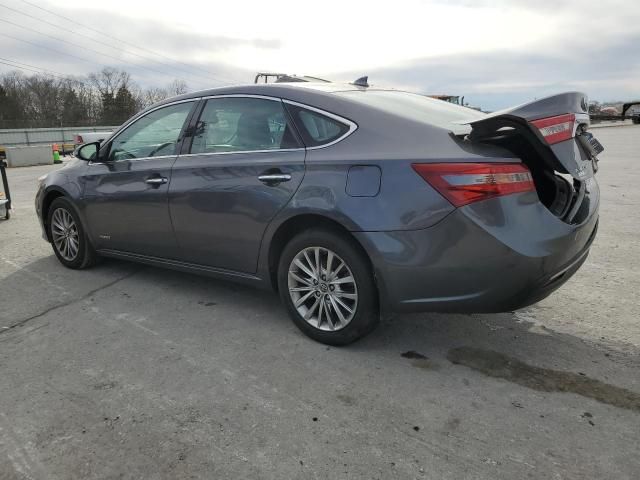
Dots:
{"x": 64, "y": 233}
{"x": 322, "y": 288}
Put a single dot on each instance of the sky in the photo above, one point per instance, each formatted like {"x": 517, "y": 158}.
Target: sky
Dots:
{"x": 495, "y": 53}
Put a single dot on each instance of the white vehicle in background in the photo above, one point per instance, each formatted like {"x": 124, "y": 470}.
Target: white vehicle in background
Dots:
{"x": 90, "y": 137}
{"x": 81, "y": 138}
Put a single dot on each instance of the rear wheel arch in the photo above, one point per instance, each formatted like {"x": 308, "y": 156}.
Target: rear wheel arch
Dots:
{"x": 333, "y": 302}
{"x": 297, "y": 224}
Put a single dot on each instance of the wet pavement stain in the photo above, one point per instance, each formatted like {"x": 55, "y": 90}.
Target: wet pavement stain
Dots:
{"x": 452, "y": 423}
{"x": 498, "y": 365}
{"x": 346, "y": 399}
{"x": 420, "y": 361}
{"x": 413, "y": 355}
{"x": 207, "y": 304}
{"x": 425, "y": 364}
{"x": 105, "y": 386}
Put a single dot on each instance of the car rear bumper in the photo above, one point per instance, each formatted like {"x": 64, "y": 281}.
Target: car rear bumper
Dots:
{"x": 493, "y": 256}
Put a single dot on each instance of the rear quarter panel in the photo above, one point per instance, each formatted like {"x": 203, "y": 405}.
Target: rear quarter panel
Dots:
{"x": 404, "y": 201}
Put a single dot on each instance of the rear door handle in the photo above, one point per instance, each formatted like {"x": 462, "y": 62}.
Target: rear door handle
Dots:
{"x": 274, "y": 177}
{"x": 156, "y": 180}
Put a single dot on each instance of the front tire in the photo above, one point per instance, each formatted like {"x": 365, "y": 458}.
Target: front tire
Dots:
{"x": 68, "y": 238}
{"x": 327, "y": 285}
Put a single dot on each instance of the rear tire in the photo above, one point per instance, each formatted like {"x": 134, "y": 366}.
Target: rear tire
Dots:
{"x": 340, "y": 302}
{"x": 68, "y": 238}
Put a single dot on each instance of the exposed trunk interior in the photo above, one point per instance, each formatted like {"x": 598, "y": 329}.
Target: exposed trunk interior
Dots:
{"x": 557, "y": 190}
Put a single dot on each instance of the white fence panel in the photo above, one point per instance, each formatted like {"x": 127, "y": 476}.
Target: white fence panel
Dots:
{"x": 35, "y": 136}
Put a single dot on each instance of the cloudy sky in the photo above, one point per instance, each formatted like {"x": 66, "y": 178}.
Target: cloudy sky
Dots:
{"x": 496, "y": 53}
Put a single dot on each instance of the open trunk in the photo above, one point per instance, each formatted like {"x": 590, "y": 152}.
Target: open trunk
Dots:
{"x": 550, "y": 136}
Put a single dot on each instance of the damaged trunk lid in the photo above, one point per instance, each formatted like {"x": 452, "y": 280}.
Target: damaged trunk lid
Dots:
{"x": 550, "y": 136}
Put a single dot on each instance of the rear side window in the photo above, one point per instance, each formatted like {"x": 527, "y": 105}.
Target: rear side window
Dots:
{"x": 315, "y": 128}
{"x": 238, "y": 124}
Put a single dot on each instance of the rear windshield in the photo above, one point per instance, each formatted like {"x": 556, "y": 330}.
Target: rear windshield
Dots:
{"x": 416, "y": 107}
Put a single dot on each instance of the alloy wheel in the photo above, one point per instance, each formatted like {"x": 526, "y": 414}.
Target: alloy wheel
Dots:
{"x": 65, "y": 234}
{"x": 322, "y": 288}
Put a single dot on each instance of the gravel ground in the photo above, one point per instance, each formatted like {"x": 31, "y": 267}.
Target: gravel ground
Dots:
{"x": 127, "y": 371}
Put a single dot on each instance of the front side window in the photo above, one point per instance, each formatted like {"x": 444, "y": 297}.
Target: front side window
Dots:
{"x": 237, "y": 124}
{"x": 155, "y": 134}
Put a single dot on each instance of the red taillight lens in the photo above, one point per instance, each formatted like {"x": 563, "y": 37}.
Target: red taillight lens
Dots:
{"x": 464, "y": 183}
{"x": 79, "y": 139}
{"x": 556, "y": 129}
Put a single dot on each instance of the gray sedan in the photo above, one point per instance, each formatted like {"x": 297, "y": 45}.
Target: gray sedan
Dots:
{"x": 350, "y": 201}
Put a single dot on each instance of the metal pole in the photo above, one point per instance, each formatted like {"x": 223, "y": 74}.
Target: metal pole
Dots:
{"x": 5, "y": 183}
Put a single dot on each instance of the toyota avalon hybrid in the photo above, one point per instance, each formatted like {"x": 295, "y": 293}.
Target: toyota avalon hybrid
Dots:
{"x": 348, "y": 200}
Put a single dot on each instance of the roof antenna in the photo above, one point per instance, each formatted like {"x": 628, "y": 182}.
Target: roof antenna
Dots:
{"x": 362, "y": 82}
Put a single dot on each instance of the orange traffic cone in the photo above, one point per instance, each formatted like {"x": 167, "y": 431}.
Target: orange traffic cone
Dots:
{"x": 56, "y": 154}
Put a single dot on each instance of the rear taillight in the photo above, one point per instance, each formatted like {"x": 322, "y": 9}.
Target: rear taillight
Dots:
{"x": 556, "y": 129}
{"x": 464, "y": 183}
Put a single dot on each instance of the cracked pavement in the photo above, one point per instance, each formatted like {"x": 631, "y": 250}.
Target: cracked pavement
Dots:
{"x": 128, "y": 371}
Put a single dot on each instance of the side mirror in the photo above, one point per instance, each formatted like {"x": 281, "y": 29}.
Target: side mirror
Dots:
{"x": 88, "y": 151}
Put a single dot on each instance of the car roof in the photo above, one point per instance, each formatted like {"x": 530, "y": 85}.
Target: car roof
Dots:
{"x": 290, "y": 90}
{"x": 320, "y": 95}
{"x": 328, "y": 87}
{"x": 314, "y": 93}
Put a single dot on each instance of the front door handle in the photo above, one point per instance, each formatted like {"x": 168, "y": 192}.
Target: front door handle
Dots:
{"x": 156, "y": 180}
{"x": 274, "y": 177}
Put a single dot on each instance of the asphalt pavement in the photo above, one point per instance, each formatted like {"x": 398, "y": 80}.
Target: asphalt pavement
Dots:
{"x": 129, "y": 371}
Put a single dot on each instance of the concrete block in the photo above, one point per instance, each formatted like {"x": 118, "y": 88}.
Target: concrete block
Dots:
{"x": 29, "y": 155}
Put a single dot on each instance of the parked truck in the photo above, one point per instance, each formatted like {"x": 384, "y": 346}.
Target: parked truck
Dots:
{"x": 632, "y": 110}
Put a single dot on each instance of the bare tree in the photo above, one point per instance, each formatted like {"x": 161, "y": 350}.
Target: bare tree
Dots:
{"x": 42, "y": 94}
{"x": 107, "y": 97}
{"x": 11, "y": 101}
{"x": 109, "y": 80}
{"x": 154, "y": 95}
{"x": 178, "y": 87}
